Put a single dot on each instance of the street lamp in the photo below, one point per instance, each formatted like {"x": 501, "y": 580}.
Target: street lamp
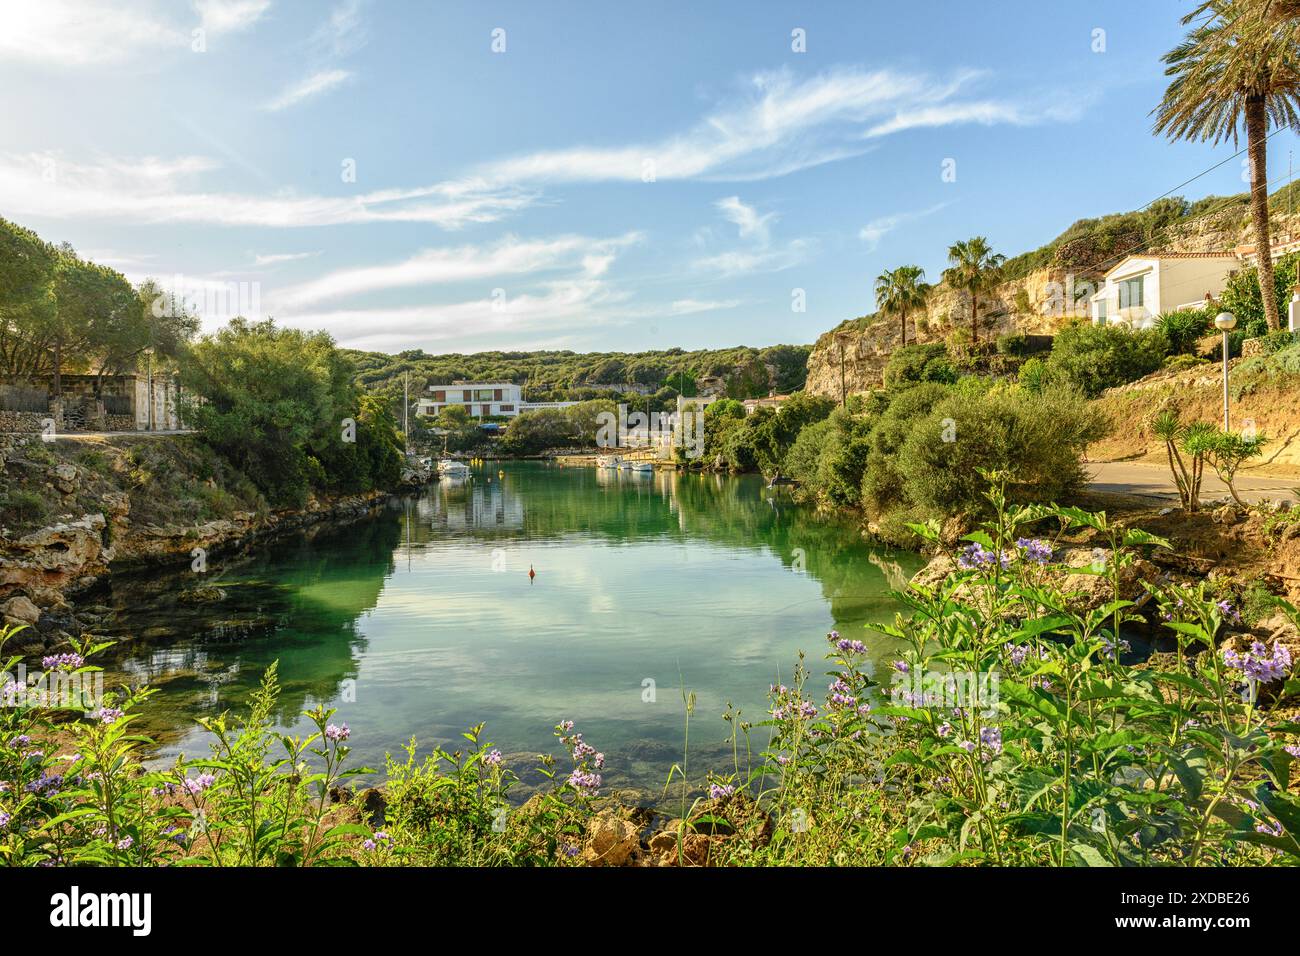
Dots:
{"x": 1225, "y": 322}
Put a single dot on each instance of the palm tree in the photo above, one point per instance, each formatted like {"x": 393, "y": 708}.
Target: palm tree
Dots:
{"x": 1239, "y": 66}
{"x": 899, "y": 291}
{"x": 975, "y": 269}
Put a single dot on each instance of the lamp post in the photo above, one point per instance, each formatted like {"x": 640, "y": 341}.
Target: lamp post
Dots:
{"x": 149, "y": 352}
{"x": 1225, "y": 322}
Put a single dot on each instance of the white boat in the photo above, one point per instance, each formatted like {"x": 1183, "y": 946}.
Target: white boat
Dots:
{"x": 641, "y": 467}
{"x": 451, "y": 468}
{"x": 608, "y": 461}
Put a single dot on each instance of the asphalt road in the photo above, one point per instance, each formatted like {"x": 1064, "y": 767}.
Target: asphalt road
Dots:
{"x": 1154, "y": 481}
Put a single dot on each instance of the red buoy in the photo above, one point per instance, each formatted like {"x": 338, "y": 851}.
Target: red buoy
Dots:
{"x": 531, "y": 574}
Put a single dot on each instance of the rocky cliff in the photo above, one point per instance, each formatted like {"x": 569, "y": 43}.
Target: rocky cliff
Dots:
{"x": 1039, "y": 303}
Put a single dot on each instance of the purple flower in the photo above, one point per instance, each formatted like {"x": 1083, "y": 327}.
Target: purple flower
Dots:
{"x": 1258, "y": 664}
{"x": 1110, "y": 649}
{"x": 944, "y": 729}
{"x": 851, "y": 647}
{"x": 991, "y": 737}
{"x": 566, "y": 725}
{"x": 107, "y": 715}
{"x": 902, "y": 667}
{"x": 62, "y": 662}
{"x": 493, "y": 758}
{"x": 1229, "y": 612}
{"x": 1272, "y": 828}
{"x": 125, "y": 843}
{"x": 199, "y": 783}
{"x": 975, "y": 555}
{"x": 1035, "y": 550}
{"x": 4, "y": 819}
{"x": 1292, "y": 749}
{"x": 338, "y": 733}
{"x": 720, "y": 791}
{"x": 585, "y": 782}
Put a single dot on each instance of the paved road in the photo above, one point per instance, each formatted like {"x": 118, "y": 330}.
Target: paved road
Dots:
{"x": 1154, "y": 481}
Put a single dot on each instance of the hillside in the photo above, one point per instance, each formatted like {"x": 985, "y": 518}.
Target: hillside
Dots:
{"x": 740, "y": 372}
{"x": 1048, "y": 287}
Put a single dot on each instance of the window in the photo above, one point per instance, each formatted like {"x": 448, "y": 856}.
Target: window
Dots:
{"x": 507, "y": 408}
{"x": 1101, "y": 310}
{"x": 1130, "y": 293}
{"x": 483, "y": 395}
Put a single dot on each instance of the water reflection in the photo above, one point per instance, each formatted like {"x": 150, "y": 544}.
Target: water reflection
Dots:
{"x": 420, "y": 619}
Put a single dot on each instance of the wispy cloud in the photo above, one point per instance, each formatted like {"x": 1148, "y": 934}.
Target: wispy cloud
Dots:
{"x": 878, "y": 228}
{"x": 692, "y": 306}
{"x": 780, "y": 125}
{"x": 308, "y": 87}
{"x": 76, "y": 34}
{"x": 746, "y": 218}
{"x": 84, "y": 33}
{"x": 230, "y": 16}
{"x": 508, "y": 257}
{"x": 275, "y": 258}
{"x": 740, "y": 262}
{"x": 153, "y": 190}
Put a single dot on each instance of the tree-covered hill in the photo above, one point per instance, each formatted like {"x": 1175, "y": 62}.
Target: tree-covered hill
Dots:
{"x": 740, "y": 372}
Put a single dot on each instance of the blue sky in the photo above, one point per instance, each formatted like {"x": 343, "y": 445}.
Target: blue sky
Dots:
{"x": 620, "y": 176}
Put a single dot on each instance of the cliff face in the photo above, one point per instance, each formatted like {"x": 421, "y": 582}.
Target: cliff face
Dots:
{"x": 1039, "y": 304}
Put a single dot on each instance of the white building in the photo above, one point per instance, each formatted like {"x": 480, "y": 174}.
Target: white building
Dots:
{"x": 1144, "y": 286}
{"x": 481, "y": 399}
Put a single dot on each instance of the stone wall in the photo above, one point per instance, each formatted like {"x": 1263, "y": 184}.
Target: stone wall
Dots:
{"x": 28, "y": 422}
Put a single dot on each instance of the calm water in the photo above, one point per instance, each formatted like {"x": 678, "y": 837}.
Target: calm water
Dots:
{"x": 421, "y": 621}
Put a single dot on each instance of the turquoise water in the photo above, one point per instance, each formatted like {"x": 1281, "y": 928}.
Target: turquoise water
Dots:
{"x": 422, "y": 621}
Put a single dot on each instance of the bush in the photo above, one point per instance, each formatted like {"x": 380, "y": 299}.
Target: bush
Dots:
{"x": 829, "y": 458}
{"x": 1182, "y": 330}
{"x": 882, "y": 483}
{"x": 1093, "y": 358}
{"x": 23, "y": 508}
{"x": 911, "y": 364}
{"x": 1036, "y": 440}
{"x": 1012, "y": 343}
{"x": 531, "y": 433}
{"x": 1179, "y": 363}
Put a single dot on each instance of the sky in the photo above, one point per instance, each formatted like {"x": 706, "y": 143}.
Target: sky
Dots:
{"x": 463, "y": 176}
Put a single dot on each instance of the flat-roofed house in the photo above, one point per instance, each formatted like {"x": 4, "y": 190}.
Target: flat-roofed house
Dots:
{"x": 1142, "y": 287}
{"x": 481, "y": 399}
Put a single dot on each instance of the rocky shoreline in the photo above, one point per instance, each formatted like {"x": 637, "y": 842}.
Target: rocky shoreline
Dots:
{"x": 44, "y": 571}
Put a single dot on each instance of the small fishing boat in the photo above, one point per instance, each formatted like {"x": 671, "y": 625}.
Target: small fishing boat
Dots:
{"x": 608, "y": 461}
{"x": 451, "y": 468}
{"x": 641, "y": 467}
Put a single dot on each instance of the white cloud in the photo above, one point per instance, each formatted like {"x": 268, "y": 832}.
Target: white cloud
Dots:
{"x": 878, "y": 228}
{"x": 77, "y": 34}
{"x": 692, "y": 306}
{"x": 317, "y": 83}
{"x": 745, "y": 261}
{"x": 229, "y": 16}
{"x": 746, "y": 218}
{"x": 83, "y": 33}
{"x": 275, "y": 258}
{"x": 153, "y": 190}
{"x": 509, "y": 256}
{"x": 783, "y": 124}
{"x": 577, "y": 304}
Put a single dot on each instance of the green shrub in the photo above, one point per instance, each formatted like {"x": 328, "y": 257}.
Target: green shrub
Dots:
{"x": 23, "y": 508}
{"x": 930, "y": 362}
{"x": 1012, "y": 343}
{"x": 1036, "y": 440}
{"x": 1178, "y": 363}
{"x": 882, "y": 484}
{"x": 1094, "y": 358}
{"x": 1183, "y": 329}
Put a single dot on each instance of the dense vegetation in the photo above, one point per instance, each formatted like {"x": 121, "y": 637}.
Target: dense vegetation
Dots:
{"x": 61, "y": 313}
{"x": 740, "y": 372}
{"x": 284, "y": 407}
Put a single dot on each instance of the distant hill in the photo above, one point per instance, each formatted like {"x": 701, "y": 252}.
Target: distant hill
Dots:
{"x": 739, "y": 372}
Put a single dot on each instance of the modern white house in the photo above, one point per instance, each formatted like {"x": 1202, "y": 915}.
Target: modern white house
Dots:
{"x": 481, "y": 399}
{"x": 1142, "y": 287}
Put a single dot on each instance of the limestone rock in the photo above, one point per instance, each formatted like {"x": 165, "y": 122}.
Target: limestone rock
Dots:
{"x": 21, "y": 609}
{"x": 611, "y": 841}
